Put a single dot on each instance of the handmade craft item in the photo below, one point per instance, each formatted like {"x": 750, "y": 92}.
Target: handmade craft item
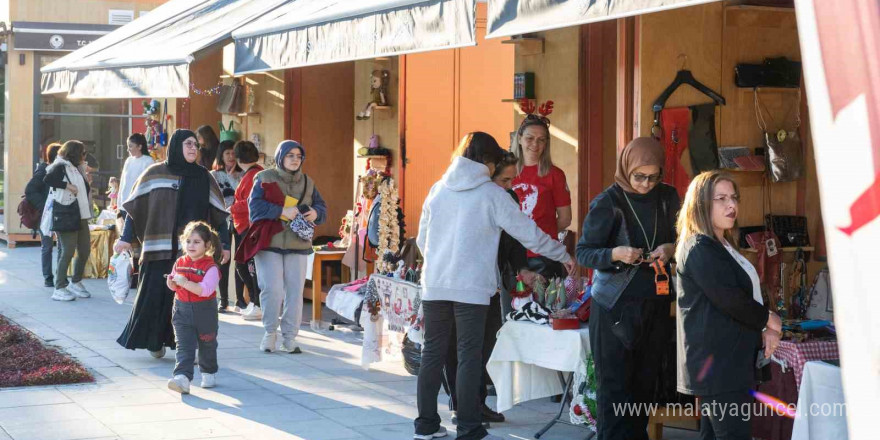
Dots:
{"x": 378, "y": 93}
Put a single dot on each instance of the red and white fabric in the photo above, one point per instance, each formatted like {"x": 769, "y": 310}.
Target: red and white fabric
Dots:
{"x": 796, "y": 354}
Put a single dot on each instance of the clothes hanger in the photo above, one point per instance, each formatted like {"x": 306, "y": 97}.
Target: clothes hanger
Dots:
{"x": 685, "y": 77}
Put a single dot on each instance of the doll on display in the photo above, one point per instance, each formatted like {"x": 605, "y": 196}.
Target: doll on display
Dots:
{"x": 113, "y": 192}
{"x": 379, "y": 80}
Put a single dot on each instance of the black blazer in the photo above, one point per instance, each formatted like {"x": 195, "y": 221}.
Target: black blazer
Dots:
{"x": 718, "y": 319}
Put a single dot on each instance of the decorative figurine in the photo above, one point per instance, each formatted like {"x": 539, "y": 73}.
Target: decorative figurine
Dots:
{"x": 378, "y": 93}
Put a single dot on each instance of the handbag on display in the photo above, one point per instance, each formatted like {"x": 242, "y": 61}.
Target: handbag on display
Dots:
{"x": 773, "y": 72}
{"x": 231, "y": 99}
{"x": 790, "y": 229}
{"x": 784, "y": 152}
{"x": 229, "y": 134}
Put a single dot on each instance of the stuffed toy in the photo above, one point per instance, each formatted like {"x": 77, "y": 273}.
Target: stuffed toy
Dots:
{"x": 378, "y": 93}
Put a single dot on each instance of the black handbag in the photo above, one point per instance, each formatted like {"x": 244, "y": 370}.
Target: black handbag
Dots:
{"x": 65, "y": 218}
{"x": 773, "y": 72}
{"x": 791, "y": 229}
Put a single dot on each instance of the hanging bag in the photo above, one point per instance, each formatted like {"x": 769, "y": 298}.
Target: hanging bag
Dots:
{"x": 785, "y": 153}
{"x": 230, "y": 99}
{"x": 229, "y": 134}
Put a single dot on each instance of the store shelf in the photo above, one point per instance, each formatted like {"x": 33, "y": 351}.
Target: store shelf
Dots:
{"x": 382, "y": 107}
{"x": 248, "y": 114}
{"x": 516, "y": 100}
{"x": 769, "y": 90}
{"x": 527, "y": 45}
{"x": 784, "y": 250}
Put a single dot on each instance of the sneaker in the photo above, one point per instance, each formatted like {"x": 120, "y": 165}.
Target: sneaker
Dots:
{"x": 289, "y": 346}
{"x": 208, "y": 380}
{"x": 268, "y": 343}
{"x": 179, "y": 383}
{"x": 237, "y": 309}
{"x": 252, "y": 314}
{"x": 440, "y": 433}
{"x": 158, "y": 354}
{"x": 79, "y": 290}
{"x": 454, "y": 421}
{"x": 222, "y": 309}
{"x": 63, "y": 294}
{"x": 491, "y": 416}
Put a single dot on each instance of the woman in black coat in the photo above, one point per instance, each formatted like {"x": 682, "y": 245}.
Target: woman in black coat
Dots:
{"x": 37, "y": 192}
{"x": 630, "y": 225}
{"x": 722, "y": 320}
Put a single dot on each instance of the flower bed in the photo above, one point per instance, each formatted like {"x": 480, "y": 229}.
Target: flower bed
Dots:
{"x": 25, "y": 361}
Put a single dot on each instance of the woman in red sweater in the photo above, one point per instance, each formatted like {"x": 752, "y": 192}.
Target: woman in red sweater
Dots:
{"x": 247, "y": 155}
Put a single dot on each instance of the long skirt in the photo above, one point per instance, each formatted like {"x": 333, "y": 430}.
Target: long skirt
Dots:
{"x": 150, "y": 323}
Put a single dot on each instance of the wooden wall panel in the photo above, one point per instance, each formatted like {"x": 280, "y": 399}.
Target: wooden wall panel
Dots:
{"x": 430, "y": 126}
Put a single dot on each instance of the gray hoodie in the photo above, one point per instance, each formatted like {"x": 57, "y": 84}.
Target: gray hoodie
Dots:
{"x": 461, "y": 225}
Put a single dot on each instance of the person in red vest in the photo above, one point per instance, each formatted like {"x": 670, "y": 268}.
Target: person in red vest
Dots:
{"x": 194, "y": 279}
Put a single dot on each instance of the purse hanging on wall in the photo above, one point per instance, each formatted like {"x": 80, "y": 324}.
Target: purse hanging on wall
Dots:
{"x": 785, "y": 154}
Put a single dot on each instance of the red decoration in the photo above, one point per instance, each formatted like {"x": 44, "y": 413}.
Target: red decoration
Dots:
{"x": 546, "y": 108}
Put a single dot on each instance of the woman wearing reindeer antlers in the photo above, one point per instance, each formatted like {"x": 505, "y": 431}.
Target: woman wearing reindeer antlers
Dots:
{"x": 540, "y": 186}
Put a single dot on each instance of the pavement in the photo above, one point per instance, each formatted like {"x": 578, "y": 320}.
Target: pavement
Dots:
{"x": 322, "y": 394}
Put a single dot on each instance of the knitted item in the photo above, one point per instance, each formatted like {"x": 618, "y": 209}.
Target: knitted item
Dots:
{"x": 531, "y": 311}
{"x": 389, "y": 226}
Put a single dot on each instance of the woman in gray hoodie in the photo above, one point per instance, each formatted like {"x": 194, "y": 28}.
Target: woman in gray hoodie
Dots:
{"x": 462, "y": 220}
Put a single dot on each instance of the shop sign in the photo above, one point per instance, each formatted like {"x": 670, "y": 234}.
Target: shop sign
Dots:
{"x": 56, "y": 36}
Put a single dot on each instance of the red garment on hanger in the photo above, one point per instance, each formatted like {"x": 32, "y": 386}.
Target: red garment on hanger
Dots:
{"x": 675, "y": 123}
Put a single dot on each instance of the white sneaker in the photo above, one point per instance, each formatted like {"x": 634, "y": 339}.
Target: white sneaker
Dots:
{"x": 79, "y": 290}
{"x": 440, "y": 433}
{"x": 179, "y": 383}
{"x": 268, "y": 343}
{"x": 252, "y": 314}
{"x": 237, "y": 309}
{"x": 289, "y": 346}
{"x": 63, "y": 294}
{"x": 208, "y": 380}
{"x": 158, "y": 354}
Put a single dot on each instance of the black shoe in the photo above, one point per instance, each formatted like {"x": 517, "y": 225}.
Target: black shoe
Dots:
{"x": 50, "y": 282}
{"x": 556, "y": 399}
{"x": 455, "y": 420}
{"x": 491, "y": 416}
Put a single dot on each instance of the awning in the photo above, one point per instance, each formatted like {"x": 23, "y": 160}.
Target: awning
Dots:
{"x": 303, "y": 33}
{"x": 516, "y": 17}
{"x": 150, "y": 56}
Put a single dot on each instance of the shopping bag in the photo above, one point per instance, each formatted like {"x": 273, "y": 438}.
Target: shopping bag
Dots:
{"x": 46, "y": 220}
{"x": 119, "y": 276}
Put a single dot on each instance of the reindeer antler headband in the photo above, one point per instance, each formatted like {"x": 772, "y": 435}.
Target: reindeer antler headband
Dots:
{"x": 528, "y": 107}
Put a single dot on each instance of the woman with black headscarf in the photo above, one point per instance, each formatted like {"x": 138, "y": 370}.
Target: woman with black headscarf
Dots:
{"x": 178, "y": 182}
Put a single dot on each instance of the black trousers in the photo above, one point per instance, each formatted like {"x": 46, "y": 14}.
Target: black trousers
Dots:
{"x": 470, "y": 320}
{"x": 46, "y": 244}
{"x": 726, "y": 416}
{"x": 247, "y": 273}
{"x": 490, "y": 335}
{"x": 627, "y": 344}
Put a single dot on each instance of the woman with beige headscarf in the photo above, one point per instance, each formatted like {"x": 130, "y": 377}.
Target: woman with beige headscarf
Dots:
{"x": 628, "y": 240}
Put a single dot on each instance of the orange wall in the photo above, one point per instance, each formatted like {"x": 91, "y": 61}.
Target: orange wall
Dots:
{"x": 450, "y": 93}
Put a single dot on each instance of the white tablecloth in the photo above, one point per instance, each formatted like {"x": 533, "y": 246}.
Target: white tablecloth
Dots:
{"x": 821, "y": 410}
{"x": 527, "y": 357}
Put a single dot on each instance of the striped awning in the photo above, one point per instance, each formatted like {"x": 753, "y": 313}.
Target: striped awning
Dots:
{"x": 303, "y": 33}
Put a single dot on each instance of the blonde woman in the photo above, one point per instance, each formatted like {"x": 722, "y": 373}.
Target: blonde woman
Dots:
{"x": 721, "y": 319}
{"x": 541, "y": 187}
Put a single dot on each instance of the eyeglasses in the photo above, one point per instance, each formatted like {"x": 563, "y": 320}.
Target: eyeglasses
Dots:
{"x": 641, "y": 178}
{"x": 190, "y": 144}
{"x": 725, "y": 199}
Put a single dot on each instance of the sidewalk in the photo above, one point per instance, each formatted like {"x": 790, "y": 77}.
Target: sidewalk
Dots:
{"x": 322, "y": 394}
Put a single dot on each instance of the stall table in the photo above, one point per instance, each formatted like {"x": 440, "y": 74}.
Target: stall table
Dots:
{"x": 786, "y": 376}
{"x": 528, "y": 361}
{"x": 399, "y": 315}
{"x": 316, "y": 261}
{"x": 101, "y": 244}
{"x": 821, "y": 407}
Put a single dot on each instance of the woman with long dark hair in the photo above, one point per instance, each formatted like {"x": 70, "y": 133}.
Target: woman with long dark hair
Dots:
{"x": 70, "y": 187}
{"x": 459, "y": 233}
{"x": 168, "y": 196}
{"x": 628, "y": 239}
{"x": 722, "y": 320}
{"x": 208, "y": 145}
{"x": 227, "y": 173}
{"x": 37, "y": 193}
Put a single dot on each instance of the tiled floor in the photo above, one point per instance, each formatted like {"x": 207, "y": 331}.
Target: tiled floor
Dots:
{"x": 322, "y": 394}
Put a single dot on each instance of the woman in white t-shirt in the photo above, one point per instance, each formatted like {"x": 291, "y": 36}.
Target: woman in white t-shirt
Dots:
{"x": 139, "y": 159}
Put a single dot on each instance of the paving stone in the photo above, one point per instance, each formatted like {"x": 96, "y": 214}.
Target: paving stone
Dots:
{"x": 31, "y": 397}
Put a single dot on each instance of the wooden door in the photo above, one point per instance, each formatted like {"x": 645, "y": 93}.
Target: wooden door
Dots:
{"x": 450, "y": 93}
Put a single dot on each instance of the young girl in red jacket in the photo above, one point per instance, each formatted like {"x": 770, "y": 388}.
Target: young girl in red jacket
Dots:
{"x": 194, "y": 280}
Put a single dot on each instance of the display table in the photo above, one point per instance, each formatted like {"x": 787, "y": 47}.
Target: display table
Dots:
{"x": 821, "y": 407}
{"x": 101, "y": 244}
{"x": 314, "y": 273}
{"x": 399, "y": 315}
{"x": 786, "y": 373}
{"x": 529, "y": 359}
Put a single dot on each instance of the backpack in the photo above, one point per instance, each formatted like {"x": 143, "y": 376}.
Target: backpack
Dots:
{"x": 30, "y": 216}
